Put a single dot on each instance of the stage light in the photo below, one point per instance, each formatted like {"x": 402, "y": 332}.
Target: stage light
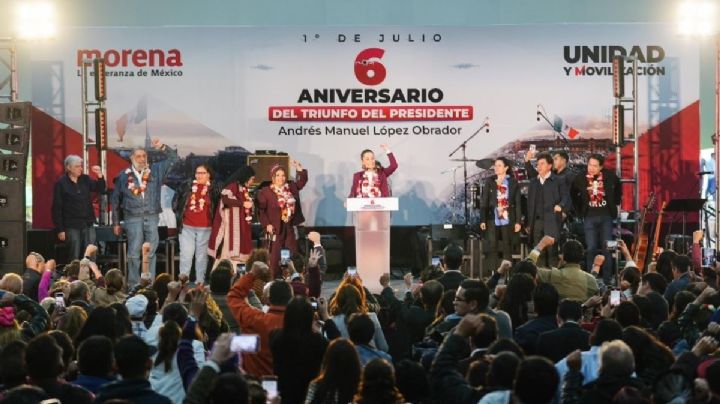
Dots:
{"x": 101, "y": 128}
{"x": 35, "y": 20}
{"x": 99, "y": 72}
{"x": 697, "y": 18}
{"x": 618, "y": 77}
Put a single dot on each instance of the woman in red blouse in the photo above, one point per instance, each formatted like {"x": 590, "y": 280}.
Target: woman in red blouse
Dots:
{"x": 372, "y": 181}
{"x": 233, "y": 220}
{"x": 279, "y": 211}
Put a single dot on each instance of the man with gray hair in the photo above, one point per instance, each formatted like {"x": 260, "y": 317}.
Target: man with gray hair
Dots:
{"x": 617, "y": 369}
{"x": 136, "y": 201}
{"x": 72, "y": 210}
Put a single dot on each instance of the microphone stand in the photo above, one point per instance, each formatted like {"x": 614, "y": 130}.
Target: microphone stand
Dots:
{"x": 465, "y": 176}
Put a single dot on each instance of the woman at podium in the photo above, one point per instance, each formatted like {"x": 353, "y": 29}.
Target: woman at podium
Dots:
{"x": 372, "y": 181}
{"x": 279, "y": 212}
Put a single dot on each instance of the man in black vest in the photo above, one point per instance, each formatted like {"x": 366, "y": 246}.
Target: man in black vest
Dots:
{"x": 547, "y": 200}
{"x": 598, "y": 194}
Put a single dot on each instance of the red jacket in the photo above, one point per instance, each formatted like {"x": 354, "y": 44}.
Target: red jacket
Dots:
{"x": 269, "y": 210}
{"x": 382, "y": 174}
{"x": 254, "y": 321}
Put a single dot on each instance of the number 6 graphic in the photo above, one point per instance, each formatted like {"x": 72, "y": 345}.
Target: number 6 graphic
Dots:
{"x": 368, "y": 68}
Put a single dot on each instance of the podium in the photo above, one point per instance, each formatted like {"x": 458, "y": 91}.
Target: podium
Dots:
{"x": 372, "y": 238}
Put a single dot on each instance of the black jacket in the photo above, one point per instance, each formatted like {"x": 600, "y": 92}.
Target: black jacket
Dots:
{"x": 137, "y": 391}
{"x": 182, "y": 193}
{"x": 296, "y": 363}
{"x": 451, "y": 280}
{"x": 613, "y": 192}
{"x": 602, "y": 390}
{"x": 448, "y": 384}
{"x": 488, "y": 201}
{"x": 554, "y": 193}
{"x": 72, "y": 202}
{"x": 527, "y": 335}
{"x": 557, "y": 344}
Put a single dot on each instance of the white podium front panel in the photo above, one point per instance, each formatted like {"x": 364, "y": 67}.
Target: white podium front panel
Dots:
{"x": 372, "y": 238}
{"x": 372, "y": 204}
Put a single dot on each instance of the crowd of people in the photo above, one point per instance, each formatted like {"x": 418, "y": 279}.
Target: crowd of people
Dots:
{"x": 545, "y": 329}
{"x": 527, "y": 334}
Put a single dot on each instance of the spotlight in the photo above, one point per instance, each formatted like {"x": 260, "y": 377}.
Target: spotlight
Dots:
{"x": 35, "y": 20}
{"x": 697, "y": 18}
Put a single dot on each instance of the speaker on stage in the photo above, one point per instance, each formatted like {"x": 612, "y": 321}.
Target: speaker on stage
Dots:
{"x": 12, "y": 246}
{"x": 263, "y": 164}
{"x": 12, "y": 200}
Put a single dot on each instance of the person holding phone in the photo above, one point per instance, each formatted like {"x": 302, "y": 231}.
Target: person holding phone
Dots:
{"x": 232, "y": 225}
{"x": 500, "y": 212}
{"x": 280, "y": 211}
{"x": 599, "y": 194}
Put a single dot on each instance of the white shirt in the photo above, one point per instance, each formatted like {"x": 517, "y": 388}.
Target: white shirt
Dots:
{"x": 542, "y": 178}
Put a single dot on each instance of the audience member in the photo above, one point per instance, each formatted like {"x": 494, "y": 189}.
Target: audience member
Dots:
{"x": 253, "y": 321}
{"x": 133, "y": 358}
{"x": 556, "y": 344}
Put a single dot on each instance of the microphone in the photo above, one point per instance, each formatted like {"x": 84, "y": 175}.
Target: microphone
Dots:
{"x": 487, "y": 124}
{"x": 537, "y": 113}
{"x": 704, "y": 173}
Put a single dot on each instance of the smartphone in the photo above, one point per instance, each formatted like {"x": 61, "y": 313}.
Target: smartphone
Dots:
{"x": 240, "y": 268}
{"x": 614, "y": 297}
{"x": 533, "y": 147}
{"x": 612, "y": 244}
{"x": 314, "y": 305}
{"x": 249, "y": 343}
{"x": 709, "y": 257}
{"x": 284, "y": 256}
{"x": 435, "y": 260}
{"x": 352, "y": 271}
{"x": 60, "y": 301}
{"x": 269, "y": 384}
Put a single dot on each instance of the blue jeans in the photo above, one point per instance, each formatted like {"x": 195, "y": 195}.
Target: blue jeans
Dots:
{"x": 77, "y": 240}
{"x": 194, "y": 241}
{"x": 598, "y": 230}
{"x": 140, "y": 229}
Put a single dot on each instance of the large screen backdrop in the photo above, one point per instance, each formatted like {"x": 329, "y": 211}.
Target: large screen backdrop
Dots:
{"x": 322, "y": 95}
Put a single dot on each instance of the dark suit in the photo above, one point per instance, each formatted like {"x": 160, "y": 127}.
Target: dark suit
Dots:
{"x": 528, "y": 334}
{"x": 451, "y": 280}
{"x": 557, "y": 344}
{"x": 382, "y": 173}
{"x": 269, "y": 213}
{"x": 543, "y": 220}
{"x": 502, "y": 239}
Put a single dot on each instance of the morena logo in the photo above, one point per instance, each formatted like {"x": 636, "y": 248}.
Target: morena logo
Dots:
{"x": 134, "y": 57}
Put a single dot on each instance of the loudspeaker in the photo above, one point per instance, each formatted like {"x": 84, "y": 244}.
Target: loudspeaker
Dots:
{"x": 13, "y": 166}
{"x": 15, "y": 113}
{"x": 12, "y": 246}
{"x": 263, "y": 164}
{"x": 15, "y": 140}
{"x": 12, "y": 200}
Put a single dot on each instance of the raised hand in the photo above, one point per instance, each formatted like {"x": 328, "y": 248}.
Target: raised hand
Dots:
{"x": 97, "y": 171}
{"x": 156, "y": 143}
{"x": 385, "y": 148}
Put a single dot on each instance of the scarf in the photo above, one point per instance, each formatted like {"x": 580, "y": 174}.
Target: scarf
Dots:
{"x": 198, "y": 200}
{"x": 286, "y": 201}
{"x": 366, "y": 189}
{"x": 502, "y": 215}
{"x": 136, "y": 190}
{"x": 596, "y": 190}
